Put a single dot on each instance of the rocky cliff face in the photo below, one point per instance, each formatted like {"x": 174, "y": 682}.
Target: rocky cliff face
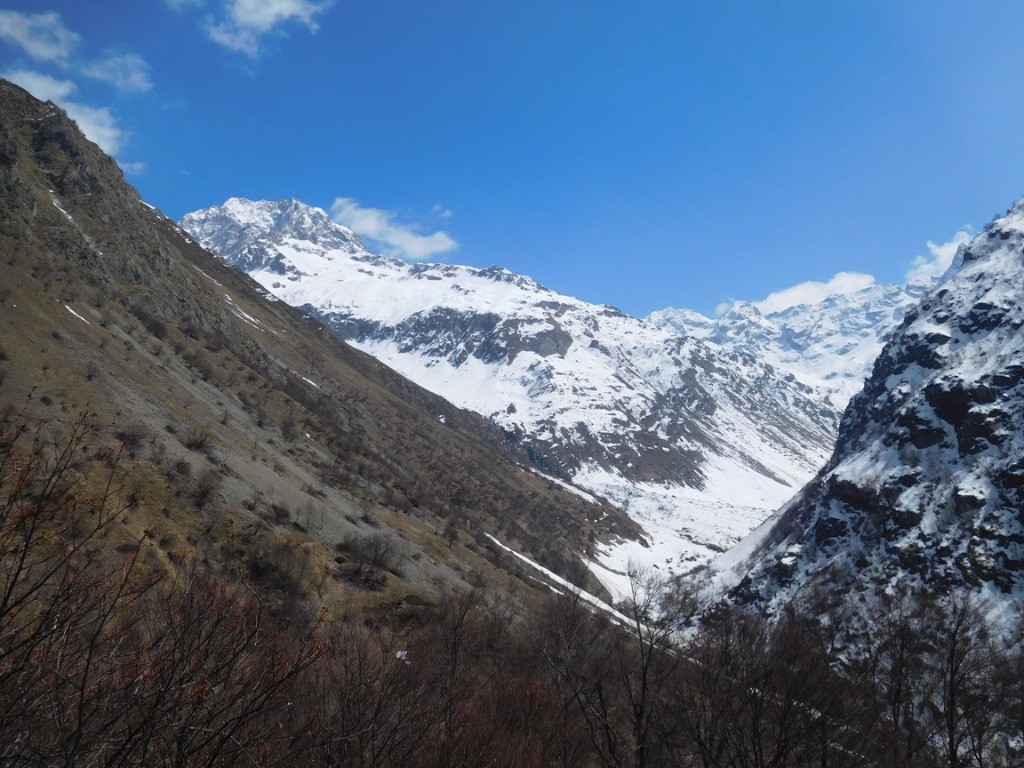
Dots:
{"x": 925, "y": 489}
{"x": 697, "y": 442}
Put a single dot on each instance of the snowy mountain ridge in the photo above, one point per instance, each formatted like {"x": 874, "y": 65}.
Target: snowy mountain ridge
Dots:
{"x": 828, "y": 345}
{"x": 925, "y": 490}
{"x": 697, "y": 442}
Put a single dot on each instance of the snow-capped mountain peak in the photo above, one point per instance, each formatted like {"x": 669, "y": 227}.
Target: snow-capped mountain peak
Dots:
{"x": 251, "y": 234}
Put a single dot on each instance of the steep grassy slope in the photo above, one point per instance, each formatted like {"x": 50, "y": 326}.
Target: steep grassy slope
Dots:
{"x": 251, "y": 437}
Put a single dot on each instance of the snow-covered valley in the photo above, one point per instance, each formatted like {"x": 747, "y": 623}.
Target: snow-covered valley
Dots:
{"x": 698, "y": 428}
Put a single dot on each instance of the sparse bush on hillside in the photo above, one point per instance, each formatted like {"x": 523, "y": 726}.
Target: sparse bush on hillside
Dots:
{"x": 369, "y": 556}
{"x": 206, "y": 487}
{"x": 150, "y": 322}
{"x": 132, "y": 437}
{"x": 195, "y": 438}
{"x": 280, "y": 512}
{"x": 289, "y": 428}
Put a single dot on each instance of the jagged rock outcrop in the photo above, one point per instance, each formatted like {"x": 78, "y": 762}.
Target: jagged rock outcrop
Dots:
{"x": 924, "y": 490}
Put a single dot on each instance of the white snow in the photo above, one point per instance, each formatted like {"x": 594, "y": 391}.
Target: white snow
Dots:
{"x": 197, "y": 269}
{"x": 567, "y": 486}
{"x": 69, "y": 309}
{"x": 829, "y": 344}
{"x": 57, "y": 205}
{"x": 567, "y": 585}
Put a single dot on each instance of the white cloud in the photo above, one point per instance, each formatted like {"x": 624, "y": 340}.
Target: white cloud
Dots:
{"x": 440, "y": 210}
{"x": 42, "y": 36}
{"x": 264, "y": 15}
{"x": 247, "y": 21}
{"x": 243, "y": 40}
{"x": 926, "y": 269}
{"x": 134, "y": 169}
{"x": 45, "y": 38}
{"x": 814, "y": 291}
{"x": 126, "y": 72}
{"x": 400, "y": 240}
{"x": 97, "y": 123}
{"x": 43, "y": 87}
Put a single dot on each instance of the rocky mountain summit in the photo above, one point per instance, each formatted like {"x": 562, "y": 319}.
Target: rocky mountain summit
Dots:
{"x": 925, "y": 489}
{"x": 695, "y": 441}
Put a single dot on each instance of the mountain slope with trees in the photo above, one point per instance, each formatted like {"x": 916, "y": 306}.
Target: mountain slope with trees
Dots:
{"x": 250, "y": 428}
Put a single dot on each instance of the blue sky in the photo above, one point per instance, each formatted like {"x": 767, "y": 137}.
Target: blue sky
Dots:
{"x": 642, "y": 154}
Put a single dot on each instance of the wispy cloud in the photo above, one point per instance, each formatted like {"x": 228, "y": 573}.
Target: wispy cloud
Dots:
{"x": 125, "y": 71}
{"x": 398, "y": 239}
{"x": 43, "y": 87}
{"x": 925, "y": 269}
{"x": 814, "y": 291}
{"x": 134, "y": 169}
{"x": 97, "y": 123}
{"x": 440, "y": 210}
{"x": 264, "y": 15}
{"x": 42, "y": 36}
{"x": 241, "y": 25}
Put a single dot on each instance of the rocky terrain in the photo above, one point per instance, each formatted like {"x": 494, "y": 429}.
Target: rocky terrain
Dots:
{"x": 924, "y": 490}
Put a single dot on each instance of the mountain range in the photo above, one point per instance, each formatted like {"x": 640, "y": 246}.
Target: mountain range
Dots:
{"x": 257, "y": 441}
{"x": 828, "y": 345}
{"x": 699, "y": 428}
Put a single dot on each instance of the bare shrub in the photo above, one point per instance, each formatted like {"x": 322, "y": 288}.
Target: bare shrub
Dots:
{"x": 195, "y": 438}
{"x": 150, "y": 322}
{"x": 376, "y": 552}
{"x": 132, "y": 437}
{"x": 206, "y": 487}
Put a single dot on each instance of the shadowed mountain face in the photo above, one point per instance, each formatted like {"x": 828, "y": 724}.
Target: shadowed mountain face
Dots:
{"x": 696, "y": 442}
{"x": 924, "y": 490}
{"x": 254, "y": 438}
